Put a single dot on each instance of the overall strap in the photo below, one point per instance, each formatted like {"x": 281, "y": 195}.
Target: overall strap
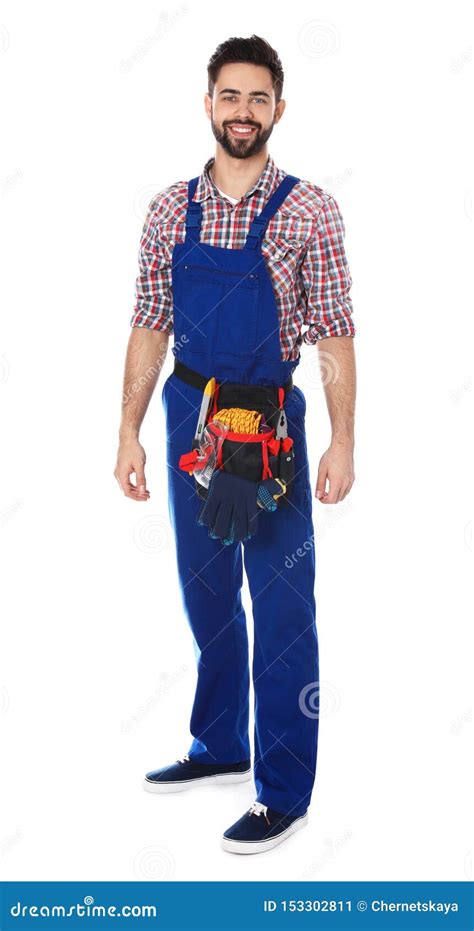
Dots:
{"x": 260, "y": 223}
{"x": 193, "y": 213}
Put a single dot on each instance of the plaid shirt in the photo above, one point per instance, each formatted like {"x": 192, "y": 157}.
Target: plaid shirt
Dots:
{"x": 303, "y": 249}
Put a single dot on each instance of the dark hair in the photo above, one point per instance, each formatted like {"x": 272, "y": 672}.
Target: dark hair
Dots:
{"x": 254, "y": 50}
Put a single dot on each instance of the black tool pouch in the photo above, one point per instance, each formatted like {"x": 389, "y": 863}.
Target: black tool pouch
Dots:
{"x": 254, "y": 456}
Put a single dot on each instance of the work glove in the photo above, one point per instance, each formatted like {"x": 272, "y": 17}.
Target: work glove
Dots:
{"x": 267, "y": 493}
{"x": 233, "y": 504}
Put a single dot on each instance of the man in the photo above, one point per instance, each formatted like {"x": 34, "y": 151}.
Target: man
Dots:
{"x": 243, "y": 265}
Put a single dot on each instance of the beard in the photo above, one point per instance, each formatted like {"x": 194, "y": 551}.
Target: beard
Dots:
{"x": 241, "y": 148}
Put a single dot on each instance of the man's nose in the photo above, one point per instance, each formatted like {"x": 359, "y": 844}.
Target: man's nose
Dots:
{"x": 244, "y": 112}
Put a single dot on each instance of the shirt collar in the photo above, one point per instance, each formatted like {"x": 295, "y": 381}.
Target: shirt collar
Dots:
{"x": 265, "y": 183}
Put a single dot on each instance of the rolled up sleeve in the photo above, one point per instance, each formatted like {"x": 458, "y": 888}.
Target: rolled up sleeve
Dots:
{"x": 153, "y": 287}
{"x": 327, "y": 279}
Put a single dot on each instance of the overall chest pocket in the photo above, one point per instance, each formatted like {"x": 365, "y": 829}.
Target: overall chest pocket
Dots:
{"x": 219, "y": 309}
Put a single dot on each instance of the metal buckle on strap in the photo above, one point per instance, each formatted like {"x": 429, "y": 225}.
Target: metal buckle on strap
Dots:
{"x": 193, "y": 217}
{"x": 257, "y": 227}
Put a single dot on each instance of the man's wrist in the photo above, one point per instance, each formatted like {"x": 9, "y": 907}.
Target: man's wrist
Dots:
{"x": 128, "y": 434}
{"x": 343, "y": 440}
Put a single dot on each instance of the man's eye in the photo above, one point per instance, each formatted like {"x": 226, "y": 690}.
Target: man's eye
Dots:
{"x": 232, "y": 99}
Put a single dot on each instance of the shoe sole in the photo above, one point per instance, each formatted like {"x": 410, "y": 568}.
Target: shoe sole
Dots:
{"x": 248, "y": 847}
{"x": 158, "y": 788}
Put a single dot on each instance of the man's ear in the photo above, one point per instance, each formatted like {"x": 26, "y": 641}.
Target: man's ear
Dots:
{"x": 279, "y": 110}
{"x": 208, "y": 104}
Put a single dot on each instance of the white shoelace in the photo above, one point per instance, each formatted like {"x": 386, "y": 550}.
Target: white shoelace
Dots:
{"x": 184, "y": 759}
{"x": 258, "y": 809}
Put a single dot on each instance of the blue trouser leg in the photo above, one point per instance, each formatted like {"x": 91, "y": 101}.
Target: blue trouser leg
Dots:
{"x": 280, "y": 565}
{"x": 210, "y": 576}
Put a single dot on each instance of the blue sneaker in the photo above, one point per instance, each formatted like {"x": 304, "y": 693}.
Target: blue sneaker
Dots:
{"x": 185, "y": 774}
{"x": 261, "y": 829}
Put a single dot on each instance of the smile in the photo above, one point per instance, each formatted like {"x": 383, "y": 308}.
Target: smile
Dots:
{"x": 242, "y": 130}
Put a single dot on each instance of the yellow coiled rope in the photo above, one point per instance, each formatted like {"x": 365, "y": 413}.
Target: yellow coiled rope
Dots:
{"x": 238, "y": 420}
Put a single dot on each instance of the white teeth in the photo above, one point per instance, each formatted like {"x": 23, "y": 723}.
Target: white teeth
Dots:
{"x": 238, "y": 129}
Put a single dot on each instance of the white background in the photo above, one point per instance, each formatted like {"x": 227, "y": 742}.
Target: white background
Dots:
{"x": 104, "y": 106}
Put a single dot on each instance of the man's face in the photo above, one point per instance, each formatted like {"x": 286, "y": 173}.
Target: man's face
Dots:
{"x": 242, "y": 109}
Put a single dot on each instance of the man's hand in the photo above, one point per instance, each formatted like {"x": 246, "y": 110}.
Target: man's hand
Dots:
{"x": 337, "y": 469}
{"x": 131, "y": 460}
{"x": 146, "y": 354}
{"x": 339, "y": 379}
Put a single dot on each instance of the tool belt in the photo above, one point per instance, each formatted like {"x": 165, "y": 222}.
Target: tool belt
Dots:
{"x": 247, "y": 424}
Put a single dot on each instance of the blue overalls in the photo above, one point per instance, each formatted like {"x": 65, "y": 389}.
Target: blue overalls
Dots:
{"x": 226, "y": 325}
